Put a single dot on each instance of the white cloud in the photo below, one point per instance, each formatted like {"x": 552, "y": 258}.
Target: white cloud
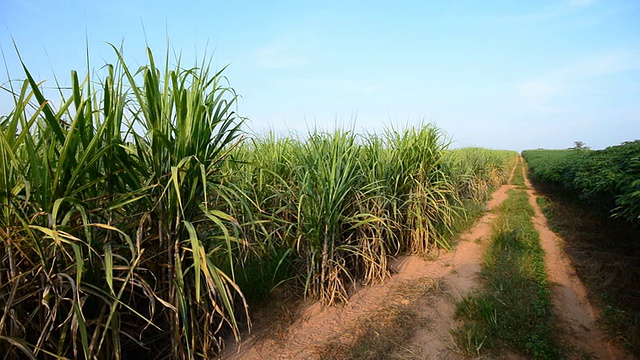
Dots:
{"x": 540, "y": 90}
{"x": 334, "y": 85}
{"x": 547, "y": 87}
{"x": 536, "y": 17}
{"x": 581, "y": 2}
{"x": 544, "y": 13}
{"x": 373, "y": 88}
{"x": 611, "y": 63}
{"x": 33, "y": 8}
{"x": 282, "y": 54}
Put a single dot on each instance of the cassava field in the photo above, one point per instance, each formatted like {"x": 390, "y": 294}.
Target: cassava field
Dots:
{"x": 139, "y": 219}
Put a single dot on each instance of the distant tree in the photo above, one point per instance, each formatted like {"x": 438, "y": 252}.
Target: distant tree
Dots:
{"x": 580, "y": 145}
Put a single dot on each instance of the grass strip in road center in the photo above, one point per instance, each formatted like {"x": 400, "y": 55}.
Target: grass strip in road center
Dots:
{"x": 513, "y": 308}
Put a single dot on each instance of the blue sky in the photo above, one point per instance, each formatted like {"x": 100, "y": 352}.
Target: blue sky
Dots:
{"x": 496, "y": 74}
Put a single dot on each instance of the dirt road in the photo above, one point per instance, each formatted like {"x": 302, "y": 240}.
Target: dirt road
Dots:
{"x": 456, "y": 273}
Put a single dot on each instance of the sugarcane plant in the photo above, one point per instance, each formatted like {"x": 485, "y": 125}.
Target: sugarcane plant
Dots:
{"x": 113, "y": 238}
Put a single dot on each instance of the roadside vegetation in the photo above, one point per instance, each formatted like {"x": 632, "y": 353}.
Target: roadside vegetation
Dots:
{"x": 475, "y": 173}
{"x": 138, "y": 218}
{"x": 513, "y": 307}
{"x": 326, "y": 212}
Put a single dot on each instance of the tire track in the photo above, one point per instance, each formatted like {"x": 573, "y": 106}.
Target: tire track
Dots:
{"x": 576, "y": 315}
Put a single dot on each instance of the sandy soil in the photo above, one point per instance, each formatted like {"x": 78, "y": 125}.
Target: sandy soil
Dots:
{"x": 457, "y": 271}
